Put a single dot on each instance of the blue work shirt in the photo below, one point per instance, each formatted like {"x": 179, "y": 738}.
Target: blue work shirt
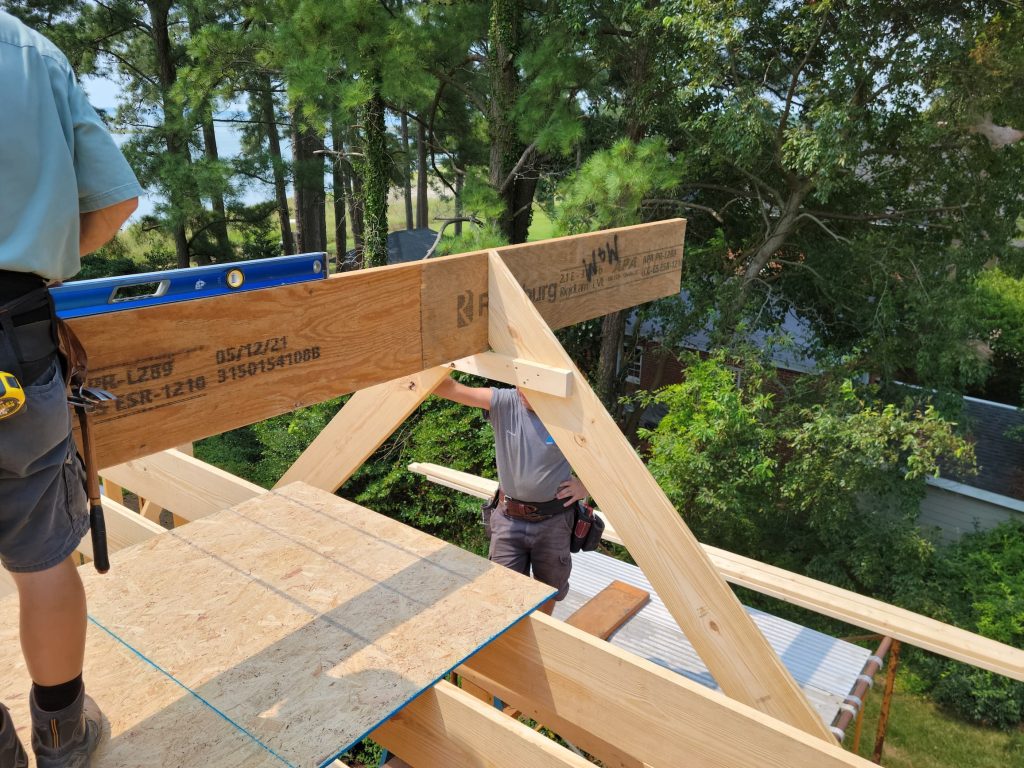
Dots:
{"x": 56, "y": 157}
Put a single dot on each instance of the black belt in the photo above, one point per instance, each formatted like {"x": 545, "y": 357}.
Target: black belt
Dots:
{"x": 27, "y": 335}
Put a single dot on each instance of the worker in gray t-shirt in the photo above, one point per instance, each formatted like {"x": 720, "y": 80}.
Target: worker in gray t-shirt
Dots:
{"x": 530, "y": 527}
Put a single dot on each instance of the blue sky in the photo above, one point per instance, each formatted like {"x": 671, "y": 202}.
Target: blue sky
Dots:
{"x": 104, "y": 93}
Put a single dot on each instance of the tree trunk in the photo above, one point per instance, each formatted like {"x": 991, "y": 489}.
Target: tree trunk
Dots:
{"x": 459, "y": 181}
{"x": 613, "y": 329}
{"x": 635, "y": 70}
{"x": 407, "y": 171}
{"x": 310, "y": 193}
{"x": 220, "y": 250}
{"x": 354, "y": 192}
{"x": 269, "y": 113}
{"x": 340, "y": 184}
{"x": 375, "y": 184}
{"x": 173, "y": 128}
{"x": 422, "y": 196}
{"x": 506, "y": 149}
{"x": 219, "y": 225}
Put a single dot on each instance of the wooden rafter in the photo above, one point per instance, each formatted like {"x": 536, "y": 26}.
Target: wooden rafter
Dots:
{"x": 734, "y": 650}
{"x": 590, "y": 691}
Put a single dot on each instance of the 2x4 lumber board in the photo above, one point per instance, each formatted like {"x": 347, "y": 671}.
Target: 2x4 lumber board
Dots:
{"x": 190, "y": 488}
{"x": 826, "y": 599}
{"x": 198, "y": 368}
{"x": 609, "y": 609}
{"x": 875, "y": 615}
{"x": 112, "y": 490}
{"x": 520, "y": 373}
{"x": 445, "y": 726}
{"x": 359, "y": 428}
{"x": 482, "y": 488}
{"x": 312, "y": 619}
{"x": 152, "y": 721}
{"x": 556, "y": 674}
{"x": 734, "y": 650}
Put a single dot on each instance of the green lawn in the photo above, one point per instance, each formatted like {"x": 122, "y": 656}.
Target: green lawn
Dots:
{"x": 921, "y": 735}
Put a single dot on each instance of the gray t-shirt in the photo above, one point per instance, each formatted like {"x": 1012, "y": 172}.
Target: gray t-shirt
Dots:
{"x": 530, "y": 465}
{"x": 56, "y": 157}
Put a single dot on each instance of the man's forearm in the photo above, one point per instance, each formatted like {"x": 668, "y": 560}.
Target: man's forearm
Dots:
{"x": 97, "y": 228}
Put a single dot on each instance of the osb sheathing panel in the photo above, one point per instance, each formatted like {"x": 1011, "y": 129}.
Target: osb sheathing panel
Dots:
{"x": 193, "y": 369}
{"x": 150, "y": 720}
{"x": 304, "y": 619}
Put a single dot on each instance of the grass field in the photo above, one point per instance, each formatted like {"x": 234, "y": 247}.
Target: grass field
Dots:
{"x": 920, "y": 735}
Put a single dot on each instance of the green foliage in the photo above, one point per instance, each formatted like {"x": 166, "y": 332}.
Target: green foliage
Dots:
{"x": 443, "y": 433}
{"x": 980, "y": 586}
{"x": 610, "y": 189}
{"x": 479, "y": 198}
{"x": 109, "y": 261}
{"x": 1001, "y": 313}
{"x": 822, "y": 480}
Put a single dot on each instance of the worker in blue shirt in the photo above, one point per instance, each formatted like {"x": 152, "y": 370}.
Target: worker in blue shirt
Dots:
{"x": 65, "y": 190}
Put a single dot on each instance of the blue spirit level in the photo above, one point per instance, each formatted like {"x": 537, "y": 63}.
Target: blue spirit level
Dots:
{"x": 110, "y": 294}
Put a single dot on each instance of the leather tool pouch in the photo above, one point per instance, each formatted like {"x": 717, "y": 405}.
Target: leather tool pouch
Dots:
{"x": 73, "y": 359}
{"x": 586, "y": 530}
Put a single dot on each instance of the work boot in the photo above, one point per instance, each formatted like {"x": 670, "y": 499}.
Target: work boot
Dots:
{"x": 12, "y": 754}
{"x": 66, "y": 739}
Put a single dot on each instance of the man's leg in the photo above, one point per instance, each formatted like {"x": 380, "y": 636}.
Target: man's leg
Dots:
{"x": 52, "y": 623}
{"x": 549, "y": 554}
{"x": 508, "y": 542}
{"x": 65, "y": 722}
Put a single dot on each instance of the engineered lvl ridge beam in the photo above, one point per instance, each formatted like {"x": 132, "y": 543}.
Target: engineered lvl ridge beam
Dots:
{"x": 727, "y": 640}
{"x": 198, "y": 368}
{"x": 818, "y": 596}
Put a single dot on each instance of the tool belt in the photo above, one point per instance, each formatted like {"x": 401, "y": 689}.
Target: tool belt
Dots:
{"x": 531, "y": 511}
{"x": 28, "y": 336}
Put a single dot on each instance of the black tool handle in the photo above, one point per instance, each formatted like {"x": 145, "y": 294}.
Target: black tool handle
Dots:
{"x": 98, "y": 530}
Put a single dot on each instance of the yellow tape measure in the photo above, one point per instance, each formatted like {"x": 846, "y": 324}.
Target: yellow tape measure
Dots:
{"x": 12, "y": 396}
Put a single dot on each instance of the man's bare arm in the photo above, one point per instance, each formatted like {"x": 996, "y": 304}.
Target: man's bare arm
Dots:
{"x": 97, "y": 228}
{"x": 475, "y": 397}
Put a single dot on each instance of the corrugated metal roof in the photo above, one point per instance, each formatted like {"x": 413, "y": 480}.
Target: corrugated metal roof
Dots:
{"x": 825, "y": 667}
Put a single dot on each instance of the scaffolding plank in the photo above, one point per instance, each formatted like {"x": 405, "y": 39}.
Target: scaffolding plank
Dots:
{"x": 609, "y": 609}
{"x": 303, "y": 619}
